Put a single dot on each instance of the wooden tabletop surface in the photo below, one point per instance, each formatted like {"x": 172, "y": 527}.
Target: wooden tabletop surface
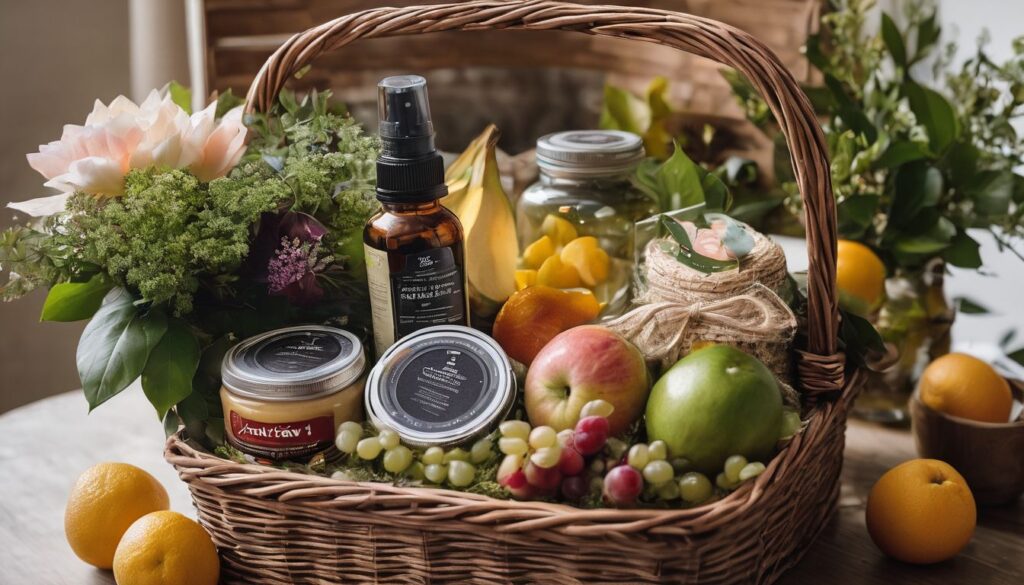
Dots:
{"x": 45, "y": 445}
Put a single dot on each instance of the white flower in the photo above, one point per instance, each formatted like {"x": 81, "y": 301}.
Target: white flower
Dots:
{"x": 121, "y": 136}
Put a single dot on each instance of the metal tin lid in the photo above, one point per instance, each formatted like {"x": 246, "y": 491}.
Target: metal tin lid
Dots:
{"x": 294, "y": 363}
{"x": 589, "y": 152}
{"x": 442, "y": 385}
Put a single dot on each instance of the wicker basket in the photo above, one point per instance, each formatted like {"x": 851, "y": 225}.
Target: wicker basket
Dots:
{"x": 277, "y": 527}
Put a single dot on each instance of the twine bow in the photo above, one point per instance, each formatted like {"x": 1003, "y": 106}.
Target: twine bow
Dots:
{"x": 663, "y": 330}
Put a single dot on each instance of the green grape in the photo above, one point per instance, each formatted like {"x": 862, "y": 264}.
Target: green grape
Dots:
{"x": 791, "y": 423}
{"x": 722, "y": 481}
{"x": 481, "y": 451}
{"x": 695, "y": 487}
{"x": 515, "y": 429}
{"x": 456, "y": 454}
{"x": 509, "y": 465}
{"x": 369, "y": 448}
{"x": 751, "y": 470}
{"x": 415, "y": 471}
{"x": 597, "y": 466}
{"x": 564, "y": 436}
{"x": 616, "y": 447}
{"x": 351, "y": 427}
{"x": 658, "y": 472}
{"x": 681, "y": 465}
{"x": 546, "y": 457}
{"x": 435, "y": 472}
{"x": 433, "y": 456}
{"x": 347, "y": 441}
{"x": 397, "y": 459}
{"x": 638, "y": 456}
{"x": 388, "y": 439}
{"x": 461, "y": 473}
{"x": 657, "y": 450}
{"x": 341, "y": 476}
{"x": 513, "y": 446}
{"x": 541, "y": 437}
{"x": 668, "y": 491}
{"x": 733, "y": 465}
{"x": 597, "y": 408}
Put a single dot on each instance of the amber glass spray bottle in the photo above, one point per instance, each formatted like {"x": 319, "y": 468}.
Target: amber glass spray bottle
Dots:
{"x": 415, "y": 259}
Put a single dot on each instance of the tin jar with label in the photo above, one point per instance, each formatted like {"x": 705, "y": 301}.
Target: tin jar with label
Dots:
{"x": 576, "y": 223}
{"x": 286, "y": 392}
{"x": 441, "y": 386}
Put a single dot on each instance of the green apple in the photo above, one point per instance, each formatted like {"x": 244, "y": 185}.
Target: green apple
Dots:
{"x": 716, "y": 402}
{"x": 586, "y": 363}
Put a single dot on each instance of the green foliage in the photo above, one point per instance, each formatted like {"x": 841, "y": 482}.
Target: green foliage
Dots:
{"x": 679, "y": 183}
{"x": 912, "y": 167}
{"x": 167, "y": 377}
{"x": 75, "y": 301}
{"x": 646, "y": 116}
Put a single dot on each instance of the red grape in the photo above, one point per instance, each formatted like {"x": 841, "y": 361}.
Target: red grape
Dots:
{"x": 517, "y": 484}
{"x": 591, "y": 434}
{"x": 622, "y": 485}
{"x": 574, "y": 488}
{"x": 539, "y": 477}
{"x": 571, "y": 462}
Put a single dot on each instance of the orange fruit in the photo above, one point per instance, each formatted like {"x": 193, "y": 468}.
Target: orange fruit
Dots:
{"x": 860, "y": 277}
{"x": 536, "y": 253}
{"x": 962, "y": 385}
{"x": 166, "y": 548}
{"x": 589, "y": 260}
{"x": 104, "y": 502}
{"x": 557, "y": 274}
{"x": 525, "y": 278}
{"x": 560, "y": 230}
{"x": 921, "y": 512}
{"x": 533, "y": 316}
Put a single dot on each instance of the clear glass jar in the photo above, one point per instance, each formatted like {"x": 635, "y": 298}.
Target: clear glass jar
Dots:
{"x": 585, "y": 190}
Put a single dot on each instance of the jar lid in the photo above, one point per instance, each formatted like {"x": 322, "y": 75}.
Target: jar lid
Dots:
{"x": 294, "y": 363}
{"x": 442, "y": 385}
{"x": 589, "y": 152}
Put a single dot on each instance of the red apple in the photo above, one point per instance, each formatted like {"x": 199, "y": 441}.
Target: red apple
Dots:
{"x": 582, "y": 364}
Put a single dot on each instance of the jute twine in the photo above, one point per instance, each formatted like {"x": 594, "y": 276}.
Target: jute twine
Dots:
{"x": 682, "y": 307}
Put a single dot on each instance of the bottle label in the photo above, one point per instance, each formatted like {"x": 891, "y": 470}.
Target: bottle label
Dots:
{"x": 428, "y": 288}
{"x": 281, "y": 440}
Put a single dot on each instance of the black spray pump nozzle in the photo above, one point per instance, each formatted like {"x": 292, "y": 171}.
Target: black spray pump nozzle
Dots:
{"x": 409, "y": 168}
{"x": 405, "y": 127}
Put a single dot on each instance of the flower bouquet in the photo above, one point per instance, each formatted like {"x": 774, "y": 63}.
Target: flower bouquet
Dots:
{"x": 176, "y": 233}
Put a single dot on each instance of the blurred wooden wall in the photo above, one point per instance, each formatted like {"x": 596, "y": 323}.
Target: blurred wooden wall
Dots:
{"x": 527, "y": 82}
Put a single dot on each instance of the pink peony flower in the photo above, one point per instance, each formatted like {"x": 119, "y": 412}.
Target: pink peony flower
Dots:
{"x": 116, "y": 138}
{"x": 708, "y": 241}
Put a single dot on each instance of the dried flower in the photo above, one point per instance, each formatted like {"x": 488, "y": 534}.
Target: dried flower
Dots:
{"x": 293, "y": 269}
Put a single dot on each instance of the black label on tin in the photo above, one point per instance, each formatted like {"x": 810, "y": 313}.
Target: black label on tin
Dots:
{"x": 428, "y": 290}
{"x": 300, "y": 352}
{"x": 441, "y": 384}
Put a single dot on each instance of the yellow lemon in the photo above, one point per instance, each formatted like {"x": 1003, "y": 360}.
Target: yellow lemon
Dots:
{"x": 589, "y": 260}
{"x": 536, "y": 253}
{"x": 560, "y": 230}
{"x": 166, "y": 548}
{"x": 964, "y": 386}
{"x": 104, "y": 502}
{"x": 557, "y": 274}
{"x": 860, "y": 276}
{"x": 525, "y": 278}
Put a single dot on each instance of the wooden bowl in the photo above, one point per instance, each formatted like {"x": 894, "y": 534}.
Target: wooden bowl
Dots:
{"x": 990, "y": 456}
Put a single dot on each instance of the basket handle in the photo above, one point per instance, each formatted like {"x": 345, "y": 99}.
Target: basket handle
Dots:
{"x": 821, "y": 366}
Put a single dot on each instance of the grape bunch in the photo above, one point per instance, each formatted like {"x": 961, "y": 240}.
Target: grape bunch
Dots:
{"x": 457, "y": 467}
{"x": 542, "y": 463}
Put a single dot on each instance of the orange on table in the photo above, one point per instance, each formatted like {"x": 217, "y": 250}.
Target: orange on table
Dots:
{"x": 860, "y": 277}
{"x": 921, "y": 512}
{"x": 105, "y": 500}
{"x": 535, "y": 315}
{"x": 963, "y": 385}
{"x": 589, "y": 260}
{"x": 166, "y": 548}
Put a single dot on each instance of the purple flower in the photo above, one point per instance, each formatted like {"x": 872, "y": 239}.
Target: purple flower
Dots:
{"x": 293, "y": 269}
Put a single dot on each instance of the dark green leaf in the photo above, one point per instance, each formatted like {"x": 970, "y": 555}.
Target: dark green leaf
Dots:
{"x": 1007, "y": 338}
{"x": 900, "y": 153}
{"x": 963, "y": 251}
{"x": 679, "y": 182}
{"x": 1017, "y": 356}
{"x": 716, "y": 194}
{"x": 962, "y": 160}
{"x": 167, "y": 377}
{"x": 226, "y": 102}
{"x": 859, "y": 337}
{"x": 1018, "y": 189}
{"x": 171, "y": 423}
{"x": 970, "y": 307}
{"x": 917, "y": 186}
{"x": 813, "y": 52}
{"x": 181, "y": 95}
{"x": 849, "y": 111}
{"x": 754, "y": 211}
{"x": 928, "y": 33}
{"x": 74, "y": 301}
{"x": 992, "y": 192}
{"x": 935, "y": 239}
{"x": 115, "y": 345}
{"x": 856, "y": 215}
{"x": 894, "y": 41}
{"x": 933, "y": 112}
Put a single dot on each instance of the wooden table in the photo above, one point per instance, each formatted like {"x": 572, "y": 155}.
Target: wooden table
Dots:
{"x": 45, "y": 445}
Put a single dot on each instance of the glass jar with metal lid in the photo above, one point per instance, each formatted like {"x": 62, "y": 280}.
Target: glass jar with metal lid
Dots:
{"x": 286, "y": 392}
{"x": 584, "y": 193}
{"x": 445, "y": 385}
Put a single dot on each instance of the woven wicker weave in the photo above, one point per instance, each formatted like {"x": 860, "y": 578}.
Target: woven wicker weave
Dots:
{"x": 277, "y": 527}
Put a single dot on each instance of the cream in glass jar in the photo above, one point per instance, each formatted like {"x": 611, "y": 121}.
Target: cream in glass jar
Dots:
{"x": 286, "y": 392}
